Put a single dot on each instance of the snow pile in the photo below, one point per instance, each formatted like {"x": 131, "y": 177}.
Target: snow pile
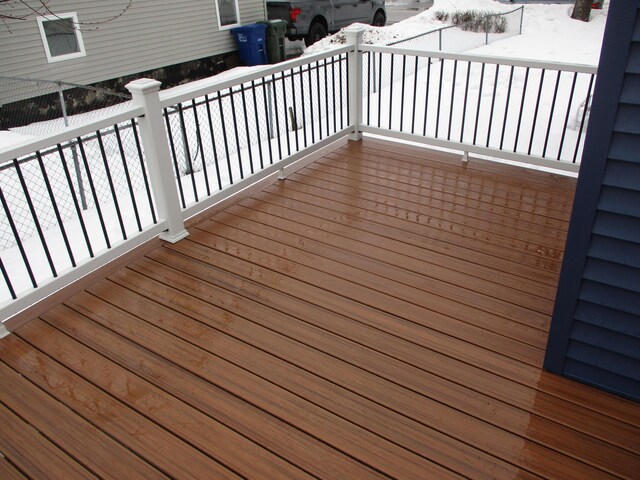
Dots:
{"x": 9, "y": 138}
{"x": 548, "y": 31}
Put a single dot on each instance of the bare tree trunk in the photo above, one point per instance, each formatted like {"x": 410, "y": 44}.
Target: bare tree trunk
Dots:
{"x": 582, "y": 10}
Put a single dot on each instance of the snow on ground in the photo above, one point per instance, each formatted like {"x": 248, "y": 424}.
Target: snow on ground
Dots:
{"x": 548, "y": 31}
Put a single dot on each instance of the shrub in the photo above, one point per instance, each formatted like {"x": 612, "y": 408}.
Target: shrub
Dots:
{"x": 474, "y": 20}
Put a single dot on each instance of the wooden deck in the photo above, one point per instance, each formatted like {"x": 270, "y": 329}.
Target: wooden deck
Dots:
{"x": 381, "y": 313}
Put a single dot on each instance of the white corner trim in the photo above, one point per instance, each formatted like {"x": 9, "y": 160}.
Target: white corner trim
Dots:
{"x": 3, "y": 331}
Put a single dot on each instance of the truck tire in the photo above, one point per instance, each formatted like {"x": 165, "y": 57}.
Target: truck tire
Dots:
{"x": 379, "y": 19}
{"x": 317, "y": 31}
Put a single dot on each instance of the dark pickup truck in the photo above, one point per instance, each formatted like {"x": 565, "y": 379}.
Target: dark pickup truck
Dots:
{"x": 312, "y": 20}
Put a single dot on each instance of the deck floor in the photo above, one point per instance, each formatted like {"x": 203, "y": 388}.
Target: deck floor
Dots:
{"x": 381, "y": 313}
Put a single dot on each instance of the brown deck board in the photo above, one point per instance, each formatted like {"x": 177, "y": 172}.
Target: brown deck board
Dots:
{"x": 9, "y": 472}
{"x": 382, "y": 313}
{"x": 95, "y": 450}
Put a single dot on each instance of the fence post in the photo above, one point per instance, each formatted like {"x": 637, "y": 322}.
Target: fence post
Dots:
{"x": 521, "y": 17}
{"x": 354, "y": 38}
{"x": 156, "y": 148}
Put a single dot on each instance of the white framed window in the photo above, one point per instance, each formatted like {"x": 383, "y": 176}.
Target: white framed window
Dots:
{"x": 228, "y": 14}
{"x": 61, "y": 38}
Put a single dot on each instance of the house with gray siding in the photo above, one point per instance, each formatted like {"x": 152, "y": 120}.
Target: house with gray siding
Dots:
{"x": 595, "y": 331}
{"x": 119, "y": 38}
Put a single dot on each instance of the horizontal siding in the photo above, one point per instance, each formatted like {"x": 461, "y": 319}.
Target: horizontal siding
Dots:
{"x": 620, "y": 200}
{"x": 612, "y": 320}
{"x": 614, "y": 250}
{"x": 617, "y": 226}
{"x": 628, "y": 119}
{"x": 603, "y": 378}
{"x": 633, "y": 65}
{"x": 151, "y": 34}
{"x": 622, "y": 174}
{"x": 624, "y": 345}
{"x": 624, "y": 146}
{"x": 631, "y": 90}
{"x": 611, "y": 297}
{"x": 604, "y": 359}
{"x": 613, "y": 274}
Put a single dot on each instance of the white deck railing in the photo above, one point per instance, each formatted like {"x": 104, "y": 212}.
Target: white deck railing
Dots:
{"x": 74, "y": 201}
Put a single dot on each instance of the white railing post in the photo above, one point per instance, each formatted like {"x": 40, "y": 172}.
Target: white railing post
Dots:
{"x": 354, "y": 38}
{"x": 156, "y": 149}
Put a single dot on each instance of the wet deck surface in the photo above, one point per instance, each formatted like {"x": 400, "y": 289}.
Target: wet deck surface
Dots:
{"x": 381, "y": 313}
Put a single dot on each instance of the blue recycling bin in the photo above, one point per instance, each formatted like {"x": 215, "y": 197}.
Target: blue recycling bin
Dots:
{"x": 252, "y": 44}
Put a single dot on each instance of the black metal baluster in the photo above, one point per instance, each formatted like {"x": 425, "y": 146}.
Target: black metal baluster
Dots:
{"x": 286, "y": 113}
{"x": 379, "y": 88}
{"x": 566, "y": 118}
{"x": 524, "y": 94}
{"x": 94, "y": 194}
{"x": 348, "y": 94}
{"x": 318, "y": 96}
{"x": 326, "y": 97}
{"x": 267, "y": 119}
{"x": 426, "y": 98}
{"x": 369, "y": 74}
{"x": 415, "y": 96}
{"x": 391, "y": 90}
{"x": 275, "y": 104}
{"x": 236, "y": 135}
{"x": 255, "y": 115}
{"x": 224, "y": 137}
{"x": 74, "y": 198}
{"x": 506, "y": 107}
{"x": 294, "y": 119}
{"x": 246, "y": 126}
{"x": 145, "y": 178}
{"x": 201, "y": 146}
{"x": 453, "y": 96}
{"x": 584, "y": 116}
{"x": 303, "y": 109}
{"x": 333, "y": 89}
{"x": 404, "y": 71}
{"x": 107, "y": 171}
{"x": 16, "y": 235}
{"x": 187, "y": 151}
{"x": 493, "y": 103}
{"x": 34, "y": 215}
{"x": 214, "y": 147}
{"x": 553, "y": 108}
{"x": 535, "y": 112}
{"x": 175, "y": 157}
{"x": 439, "y": 97}
{"x": 127, "y": 177}
{"x": 464, "y": 103}
{"x": 54, "y": 204}
{"x": 7, "y": 280}
{"x": 475, "y": 128}
{"x": 340, "y": 61}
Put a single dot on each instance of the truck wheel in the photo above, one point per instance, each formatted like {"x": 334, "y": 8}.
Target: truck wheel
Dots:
{"x": 379, "y": 19}
{"x": 317, "y": 31}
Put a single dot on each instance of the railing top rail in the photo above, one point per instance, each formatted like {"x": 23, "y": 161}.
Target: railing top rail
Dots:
{"x": 468, "y": 57}
{"x": 27, "y": 147}
{"x": 186, "y": 92}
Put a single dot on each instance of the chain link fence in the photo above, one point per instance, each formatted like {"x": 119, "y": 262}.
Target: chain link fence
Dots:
{"x": 41, "y": 107}
{"x": 471, "y": 30}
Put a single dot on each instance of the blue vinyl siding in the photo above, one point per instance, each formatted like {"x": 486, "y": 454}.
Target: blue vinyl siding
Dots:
{"x": 595, "y": 330}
